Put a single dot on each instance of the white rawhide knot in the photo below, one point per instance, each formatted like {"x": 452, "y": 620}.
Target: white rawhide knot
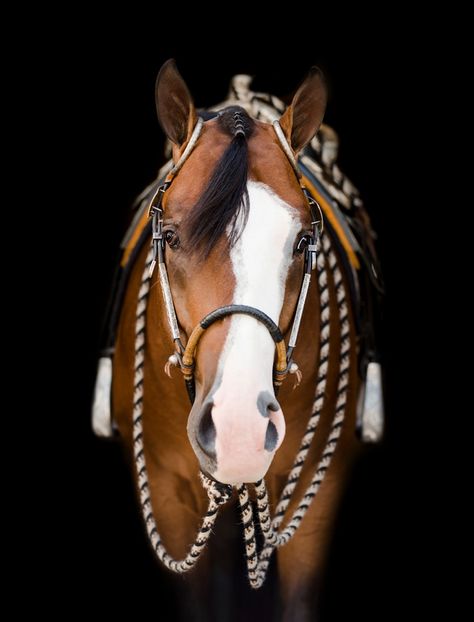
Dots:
{"x": 217, "y": 492}
{"x": 294, "y": 369}
{"x": 173, "y": 361}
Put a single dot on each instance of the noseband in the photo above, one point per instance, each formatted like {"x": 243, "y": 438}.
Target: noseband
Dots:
{"x": 185, "y": 356}
{"x": 281, "y": 367}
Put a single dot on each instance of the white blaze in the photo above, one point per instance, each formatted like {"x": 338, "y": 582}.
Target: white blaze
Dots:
{"x": 260, "y": 261}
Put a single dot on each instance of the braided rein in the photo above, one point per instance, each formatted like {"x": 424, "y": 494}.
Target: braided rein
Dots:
{"x": 257, "y": 563}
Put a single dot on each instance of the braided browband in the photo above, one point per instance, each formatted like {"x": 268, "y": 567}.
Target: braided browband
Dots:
{"x": 286, "y": 147}
{"x": 189, "y": 147}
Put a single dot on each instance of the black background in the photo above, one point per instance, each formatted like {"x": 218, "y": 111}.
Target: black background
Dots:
{"x": 112, "y": 148}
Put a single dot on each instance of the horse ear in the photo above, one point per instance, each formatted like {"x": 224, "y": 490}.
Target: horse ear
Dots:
{"x": 302, "y": 118}
{"x": 174, "y": 106}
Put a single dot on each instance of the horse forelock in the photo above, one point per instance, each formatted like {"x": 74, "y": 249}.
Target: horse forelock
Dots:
{"x": 223, "y": 204}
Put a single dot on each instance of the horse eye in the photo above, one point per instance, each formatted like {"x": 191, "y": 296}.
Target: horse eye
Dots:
{"x": 302, "y": 244}
{"x": 172, "y": 238}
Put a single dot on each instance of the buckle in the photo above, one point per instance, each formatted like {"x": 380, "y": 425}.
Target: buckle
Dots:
{"x": 155, "y": 203}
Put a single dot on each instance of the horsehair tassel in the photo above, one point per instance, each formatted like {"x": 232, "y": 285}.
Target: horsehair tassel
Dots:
{"x": 370, "y": 418}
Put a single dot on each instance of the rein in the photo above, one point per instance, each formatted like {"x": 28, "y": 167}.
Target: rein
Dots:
{"x": 274, "y": 535}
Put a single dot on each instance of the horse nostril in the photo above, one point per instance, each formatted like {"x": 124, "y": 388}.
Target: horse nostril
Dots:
{"x": 265, "y": 402}
{"x": 206, "y": 432}
{"x": 271, "y": 437}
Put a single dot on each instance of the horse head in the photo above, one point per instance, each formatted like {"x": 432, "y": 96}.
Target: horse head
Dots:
{"x": 236, "y": 225}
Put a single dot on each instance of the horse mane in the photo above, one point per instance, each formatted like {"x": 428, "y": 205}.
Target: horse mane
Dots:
{"x": 224, "y": 202}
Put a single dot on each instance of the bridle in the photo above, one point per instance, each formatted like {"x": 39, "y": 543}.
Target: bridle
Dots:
{"x": 274, "y": 531}
{"x": 184, "y": 356}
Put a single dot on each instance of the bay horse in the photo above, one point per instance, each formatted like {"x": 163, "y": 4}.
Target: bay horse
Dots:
{"x": 234, "y": 230}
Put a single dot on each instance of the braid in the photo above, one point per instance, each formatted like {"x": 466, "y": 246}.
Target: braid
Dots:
{"x": 236, "y": 122}
{"x": 239, "y": 127}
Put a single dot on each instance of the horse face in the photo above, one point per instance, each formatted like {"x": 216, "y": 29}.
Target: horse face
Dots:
{"x": 235, "y": 241}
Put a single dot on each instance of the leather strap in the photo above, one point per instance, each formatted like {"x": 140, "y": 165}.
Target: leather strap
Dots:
{"x": 281, "y": 367}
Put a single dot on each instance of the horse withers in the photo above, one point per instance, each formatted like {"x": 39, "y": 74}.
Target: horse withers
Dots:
{"x": 234, "y": 242}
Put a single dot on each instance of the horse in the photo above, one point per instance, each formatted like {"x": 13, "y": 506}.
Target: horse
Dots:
{"x": 234, "y": 230}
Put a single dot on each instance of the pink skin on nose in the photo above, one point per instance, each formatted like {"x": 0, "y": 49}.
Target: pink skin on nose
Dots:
{"x": 240, "y": 444}
{"x": 241, "y": 435}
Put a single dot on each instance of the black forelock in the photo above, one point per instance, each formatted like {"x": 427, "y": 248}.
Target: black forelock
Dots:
{"x": 225, "y": 196}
